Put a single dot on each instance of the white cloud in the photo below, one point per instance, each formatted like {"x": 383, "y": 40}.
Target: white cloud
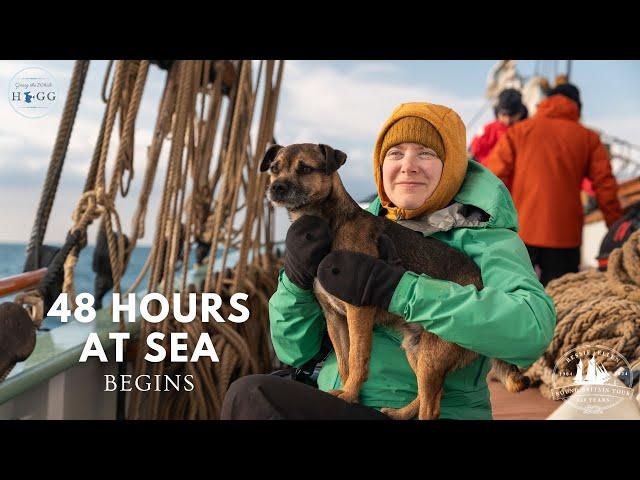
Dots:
{"x": 625, "y": 126}
{"x": 9, "y": 68}
{"x": 327, "y": 102}
{"x": 378, "y": 68}
{"x": 18, "y": 134}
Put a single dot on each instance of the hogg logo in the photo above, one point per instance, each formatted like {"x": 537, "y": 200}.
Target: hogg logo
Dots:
{"x": 27, "y": 97}
{"x": 32, "y": 92}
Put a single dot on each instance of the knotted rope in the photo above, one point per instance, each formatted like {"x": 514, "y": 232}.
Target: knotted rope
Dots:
{"x": 98, "y": 200}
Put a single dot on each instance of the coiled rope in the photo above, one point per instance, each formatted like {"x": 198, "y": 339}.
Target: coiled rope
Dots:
{"x": 595, "y": 308}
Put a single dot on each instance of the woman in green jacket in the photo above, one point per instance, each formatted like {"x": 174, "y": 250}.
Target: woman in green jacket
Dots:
{"x": 424, "y": 182}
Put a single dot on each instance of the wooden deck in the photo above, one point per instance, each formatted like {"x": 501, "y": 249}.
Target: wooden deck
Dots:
{"x": 527, "y": 405}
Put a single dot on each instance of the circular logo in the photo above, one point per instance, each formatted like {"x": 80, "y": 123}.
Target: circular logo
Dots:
{"x": 592, "y": 378}
{"x": 32, "y": 92}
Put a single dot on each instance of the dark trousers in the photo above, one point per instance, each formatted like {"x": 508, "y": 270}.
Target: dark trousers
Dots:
{"x": 554, "y": 262}
{"x": 269, "y": 397}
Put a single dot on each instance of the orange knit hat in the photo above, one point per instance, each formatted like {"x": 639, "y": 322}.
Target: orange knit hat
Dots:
{"x": 434, "y": 126}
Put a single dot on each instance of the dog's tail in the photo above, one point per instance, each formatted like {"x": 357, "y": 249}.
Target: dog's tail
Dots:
{"x": 510, "y": 376}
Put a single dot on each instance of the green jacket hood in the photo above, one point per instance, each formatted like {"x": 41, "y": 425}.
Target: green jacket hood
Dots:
{"x": 483, "y": 190}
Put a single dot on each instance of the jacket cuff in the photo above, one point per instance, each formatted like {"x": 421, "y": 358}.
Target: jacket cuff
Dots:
{"x": 404, "y": 298}
{"x": 292, "y": 287}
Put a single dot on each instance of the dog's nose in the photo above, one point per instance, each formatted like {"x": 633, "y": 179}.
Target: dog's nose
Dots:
{"x": 279, "y": 188}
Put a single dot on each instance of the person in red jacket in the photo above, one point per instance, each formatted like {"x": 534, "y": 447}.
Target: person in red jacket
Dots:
{"x": 542, "y": 161}
{"x": 508, "y": 111}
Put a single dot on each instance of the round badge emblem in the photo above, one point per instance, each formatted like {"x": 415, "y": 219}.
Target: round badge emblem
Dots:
{"x": 32, "y": 92}
{"x": 584, "y": 377}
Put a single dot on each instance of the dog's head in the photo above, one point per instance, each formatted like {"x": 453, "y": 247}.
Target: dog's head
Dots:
{"x": 300, "y": 174}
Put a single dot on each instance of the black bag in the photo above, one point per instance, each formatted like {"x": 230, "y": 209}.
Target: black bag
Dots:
{"x": 618, "y": 234}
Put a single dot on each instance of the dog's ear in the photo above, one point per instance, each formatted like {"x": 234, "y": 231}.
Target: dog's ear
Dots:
{"x": 269, "y": 155}
{"x": 334, "y": 158}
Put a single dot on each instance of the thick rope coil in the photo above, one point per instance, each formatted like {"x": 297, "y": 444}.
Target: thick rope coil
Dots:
{"x": 595, "y": 308}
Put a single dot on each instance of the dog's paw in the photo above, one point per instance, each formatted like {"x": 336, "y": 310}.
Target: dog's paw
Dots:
{"x": 349, "y": 396}
{"x": 429, "y": 413}
{"x": 396, "y": 413}
{"x": 346, "y": 395}
{"x": 393, "y": 413}
{"x": 390, "y": 412}
{"x": 335, "y": 393}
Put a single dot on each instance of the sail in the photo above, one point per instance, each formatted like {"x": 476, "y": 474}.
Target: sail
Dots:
{"x": 578, "y": 378}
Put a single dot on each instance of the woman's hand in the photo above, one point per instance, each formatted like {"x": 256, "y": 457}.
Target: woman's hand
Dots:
{"x": 308, "y": 241}
{"x": 360, "y": 279}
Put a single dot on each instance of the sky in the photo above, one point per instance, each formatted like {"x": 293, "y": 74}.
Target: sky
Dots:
{"x": 340, "y": 103}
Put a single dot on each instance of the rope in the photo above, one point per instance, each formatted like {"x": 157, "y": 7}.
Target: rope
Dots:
{"x": 161, "y": 130}
{"x": 479, "y": 114}
{"x": 97, "y": 201}
{"x": 162, "y": 261}
{"x": 58, "y": 156}
{"x": 595, "y": 308}
{"x": 124, "y": 162}
{"x": 237, "y": 194}
{"x": 105, "y": 81}
{"x": 199, "y": 184}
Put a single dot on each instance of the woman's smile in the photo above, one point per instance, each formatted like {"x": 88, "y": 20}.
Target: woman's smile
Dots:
{"x": 411, "y": 185}
{"x": 410, "y": 174}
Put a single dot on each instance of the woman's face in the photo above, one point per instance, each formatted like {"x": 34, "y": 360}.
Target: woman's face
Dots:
{"x": 410, "y": 174}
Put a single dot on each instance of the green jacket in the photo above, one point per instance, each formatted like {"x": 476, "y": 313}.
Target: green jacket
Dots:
{"x": 511, "y": 318}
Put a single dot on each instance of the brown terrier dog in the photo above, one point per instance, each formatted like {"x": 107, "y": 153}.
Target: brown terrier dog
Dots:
{"x": 304, "y": 180}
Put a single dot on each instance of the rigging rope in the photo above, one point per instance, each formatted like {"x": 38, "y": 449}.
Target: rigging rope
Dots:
{"x": 216, "y": 197}
{"x": 223, "y": 207}
{"x": 56, "y": 163}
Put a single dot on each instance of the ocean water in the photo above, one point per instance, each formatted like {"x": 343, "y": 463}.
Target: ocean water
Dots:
{"x": 12, "y": 257}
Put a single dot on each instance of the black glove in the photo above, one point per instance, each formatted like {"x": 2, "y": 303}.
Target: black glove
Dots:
{"x": 308, "y": 241}
{"x": 360, "y": 279}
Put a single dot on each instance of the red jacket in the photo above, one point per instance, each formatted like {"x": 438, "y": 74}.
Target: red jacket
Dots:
{"x": 542, "y": 160}
{"x": 481, "y": 145}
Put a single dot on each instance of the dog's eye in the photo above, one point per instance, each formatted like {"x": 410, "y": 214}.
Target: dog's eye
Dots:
{"x": 304, "y": 169}
{"x": 274, "y": 169}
